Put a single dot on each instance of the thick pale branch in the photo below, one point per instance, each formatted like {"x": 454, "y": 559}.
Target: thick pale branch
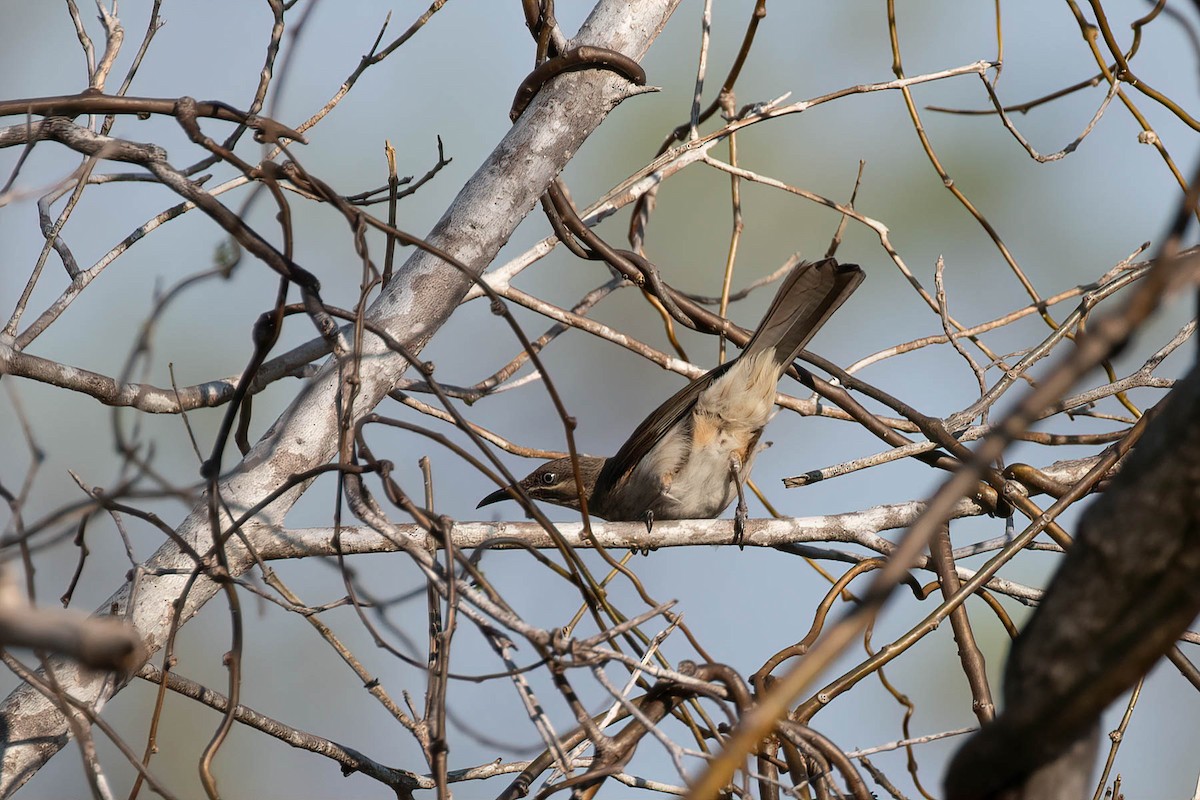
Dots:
{"x": 414, "y": 305}
{"x": 858, "y": 528}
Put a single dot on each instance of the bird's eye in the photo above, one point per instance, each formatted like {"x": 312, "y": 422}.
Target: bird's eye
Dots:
{"x": 549, "y": 478}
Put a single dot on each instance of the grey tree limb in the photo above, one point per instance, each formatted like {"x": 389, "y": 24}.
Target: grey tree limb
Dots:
{"x": 418, "y": 300}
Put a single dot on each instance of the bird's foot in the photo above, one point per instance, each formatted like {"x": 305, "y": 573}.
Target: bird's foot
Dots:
{"x": 741, "y": 513}
{"x": 649, "y": 520}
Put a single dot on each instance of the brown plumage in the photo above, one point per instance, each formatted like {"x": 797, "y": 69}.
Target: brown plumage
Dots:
{"x": 689, "y": 458}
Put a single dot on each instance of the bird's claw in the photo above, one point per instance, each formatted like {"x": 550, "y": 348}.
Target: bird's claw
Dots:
{"x": 649, "y": 520}
{"x": 740, "y": 515}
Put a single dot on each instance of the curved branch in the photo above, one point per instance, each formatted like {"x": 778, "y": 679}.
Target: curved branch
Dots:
{"x": 414, "y": 305}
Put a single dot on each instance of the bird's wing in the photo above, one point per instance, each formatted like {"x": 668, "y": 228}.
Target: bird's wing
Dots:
{"x": 654, "y": 428}
{"x": 806, "y": 298}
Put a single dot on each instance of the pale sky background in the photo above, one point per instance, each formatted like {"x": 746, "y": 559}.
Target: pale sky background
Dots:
{"x": 1066, "y": 222}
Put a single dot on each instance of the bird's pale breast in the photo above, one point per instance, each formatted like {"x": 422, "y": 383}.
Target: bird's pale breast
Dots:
{"x": 697, "y": 482}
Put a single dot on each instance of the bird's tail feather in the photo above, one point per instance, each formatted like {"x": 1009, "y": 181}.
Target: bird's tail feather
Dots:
{"x": 808, "y": 296}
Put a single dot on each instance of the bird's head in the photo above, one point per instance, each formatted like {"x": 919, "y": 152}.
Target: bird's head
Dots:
{"x": 553, "y": 482}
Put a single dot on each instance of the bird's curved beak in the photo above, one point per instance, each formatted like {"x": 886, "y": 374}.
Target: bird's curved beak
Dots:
{"x": 495, "y": 497}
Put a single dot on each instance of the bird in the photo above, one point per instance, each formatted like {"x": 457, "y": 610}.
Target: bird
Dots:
{"x": 691, "y": 456}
